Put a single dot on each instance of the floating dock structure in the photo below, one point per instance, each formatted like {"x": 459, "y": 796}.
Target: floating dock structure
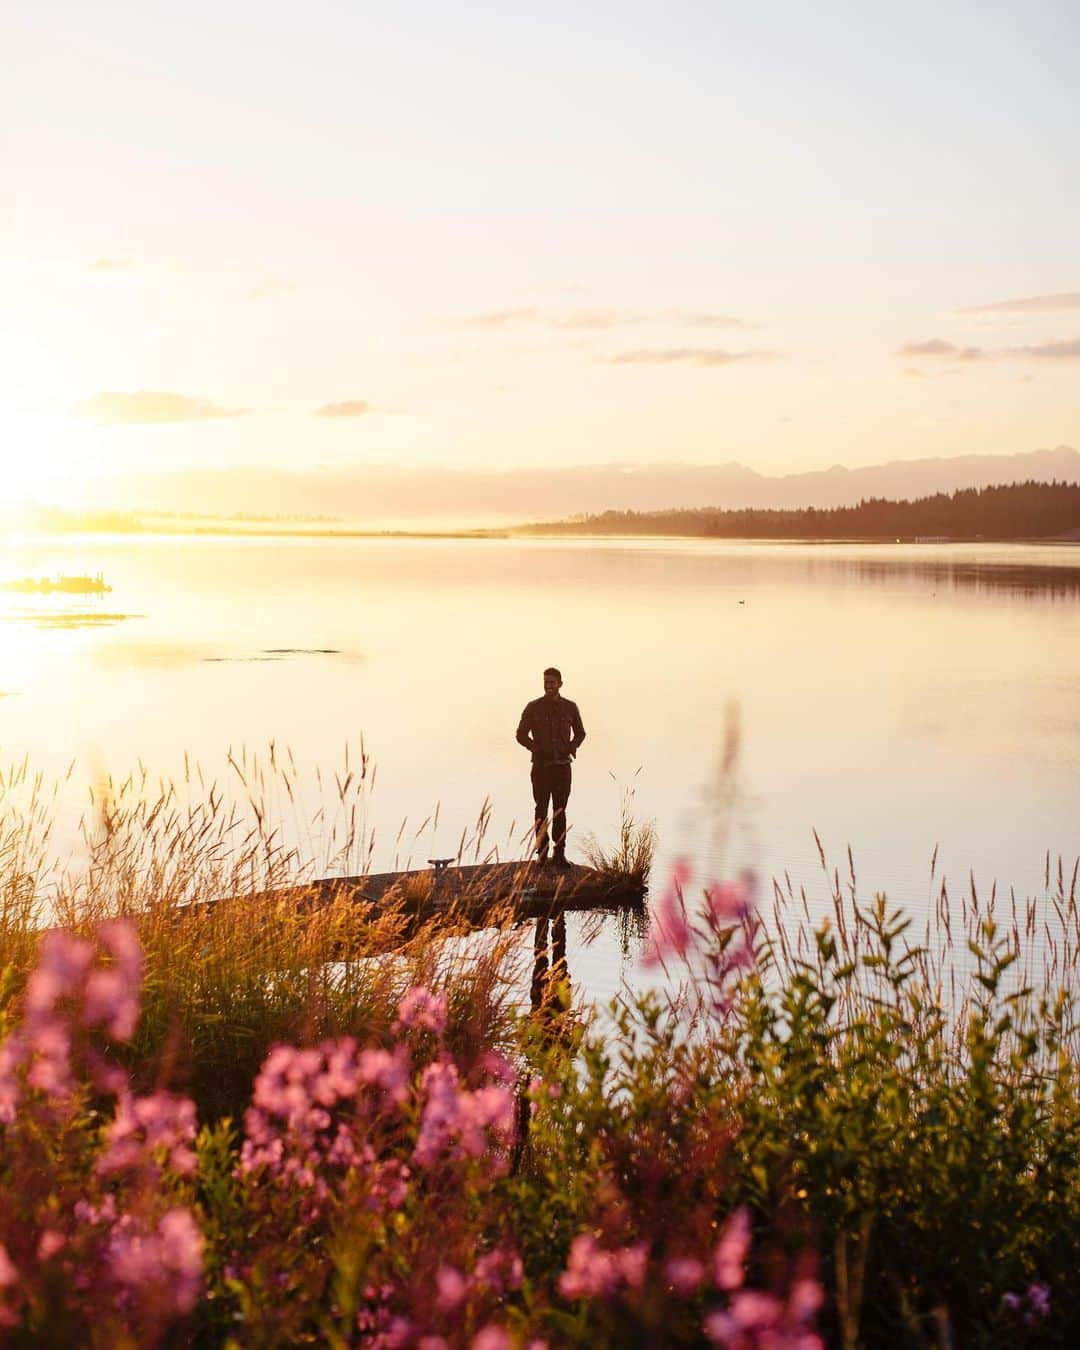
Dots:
{"x": 474, "y": 895}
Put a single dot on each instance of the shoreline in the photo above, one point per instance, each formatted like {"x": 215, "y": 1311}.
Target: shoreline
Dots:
{"x": 522, "y": 532}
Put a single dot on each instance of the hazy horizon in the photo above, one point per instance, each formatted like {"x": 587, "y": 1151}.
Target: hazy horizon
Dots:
{"x": 386, "y": 497}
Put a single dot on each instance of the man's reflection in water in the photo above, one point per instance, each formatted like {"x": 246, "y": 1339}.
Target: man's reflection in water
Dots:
{"x": 550, "y": 991}
{"x": 549, "y": 996}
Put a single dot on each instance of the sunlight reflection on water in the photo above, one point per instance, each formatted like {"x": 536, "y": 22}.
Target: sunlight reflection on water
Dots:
{"x": 894, "y": 696}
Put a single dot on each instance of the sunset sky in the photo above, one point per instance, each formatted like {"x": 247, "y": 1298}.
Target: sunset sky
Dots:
{"x": 341, "y": 235}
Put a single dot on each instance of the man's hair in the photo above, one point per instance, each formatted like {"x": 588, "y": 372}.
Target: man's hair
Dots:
{"x": 553, "y": 670}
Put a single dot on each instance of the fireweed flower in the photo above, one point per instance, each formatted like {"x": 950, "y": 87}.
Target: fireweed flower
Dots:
{"x": 422, "y": 1009}
{"x": 671, "y": 932}
{"x": 50, "y": 1065}
{"x": 49, "y": 1244}
{"x": 12, "y": 1055}
{"x": 715, "y": 941}
{"x": 62, "y": 962}
{"x": 499, "y": 1271}
{"x": 145, "y": 1126}
{"x": 492, "y": 1337}
{"x": 729, "y": 1258}
{"x": 456, "y": 1121}
{"x": 452, "y": 1287}
{"x": 684, "y": 1274}
{"x": 593, "y": 1271}
{"x": 755, "y": 1318}
{"x": 727, "y": 901}
{"x": 1033, "y": 1306}
{"x": 1039, "y": 1299}
{"x": 166, "y": 1262}
{"x": 108, "y": 995}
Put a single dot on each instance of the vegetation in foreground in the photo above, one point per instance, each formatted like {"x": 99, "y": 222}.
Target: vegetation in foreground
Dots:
{"x": 830, "y": 1134}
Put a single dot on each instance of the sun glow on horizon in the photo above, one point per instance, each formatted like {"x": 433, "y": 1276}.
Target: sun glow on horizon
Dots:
{"x": 42, "y": 463}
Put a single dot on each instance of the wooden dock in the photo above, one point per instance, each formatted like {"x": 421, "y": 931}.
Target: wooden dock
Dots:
{"x": 475, "y": 895}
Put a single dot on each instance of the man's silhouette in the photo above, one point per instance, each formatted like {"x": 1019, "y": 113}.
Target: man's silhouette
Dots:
{"x": 551, "y": 729}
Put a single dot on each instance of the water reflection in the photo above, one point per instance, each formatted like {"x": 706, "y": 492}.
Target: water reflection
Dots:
{"x": 66, "y": 618}
{"x": 278, "y": 654}
{"x": 892, "y": 696}
{"x": 549, "y": 990}
{"x": 1027, "y": 582}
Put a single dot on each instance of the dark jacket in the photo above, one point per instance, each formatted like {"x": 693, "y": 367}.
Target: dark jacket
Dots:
{"x": 551, "y": 729}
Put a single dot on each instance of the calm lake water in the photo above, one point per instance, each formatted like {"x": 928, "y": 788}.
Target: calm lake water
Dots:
{"x": 893, "y": 698}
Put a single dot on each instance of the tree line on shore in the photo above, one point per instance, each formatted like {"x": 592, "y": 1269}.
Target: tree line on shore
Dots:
{"x": 1027, "y": 510}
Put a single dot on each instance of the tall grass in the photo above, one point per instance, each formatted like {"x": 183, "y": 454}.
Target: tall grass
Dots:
{"x": 629, "y": 860}
{"x": 242, "y": 950}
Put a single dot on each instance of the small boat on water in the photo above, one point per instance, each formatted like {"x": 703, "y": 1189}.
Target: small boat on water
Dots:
{"x": 61, "y": 585}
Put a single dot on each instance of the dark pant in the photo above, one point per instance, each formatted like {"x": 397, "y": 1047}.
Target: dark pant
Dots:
{"x": 551, "y": 785}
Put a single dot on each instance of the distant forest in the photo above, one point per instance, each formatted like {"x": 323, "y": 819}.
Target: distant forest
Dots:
{"x": 1013, "y": 511}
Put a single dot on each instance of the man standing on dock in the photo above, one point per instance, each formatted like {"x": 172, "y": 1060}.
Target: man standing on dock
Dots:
{"x": 552, "y": 730}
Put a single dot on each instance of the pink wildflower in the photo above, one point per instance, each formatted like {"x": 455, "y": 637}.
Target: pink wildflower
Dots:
{"x": 491, "y": 1337}
{"x": 62, "y": 962}
{"x": 8, "y": 1274}
{"x": 497, "y": 1066}
{"x": 440, "y": 1115}
{"x": 729, "y": 1259}
{"x": 452, "y": 1288}
{"x": 499, "y": 1270}
{"x": 632, "y": 1262}
{"x": 110, "y": 1002}
{"x": 49, "y": 1244}
{"x": 168, "y": 1259}
{"x": 755, "y": 1311}
{"x": 146, "y": 1125}
{"x": 12, "y": 1054}
{"x": 341, "y": 1075}
{"x": 91, "y": 1214}
{"x": 1034, "y": 1306}
{"x": 730, "y": 901}
{"x": 595, "y": 1272}
{"x": 804, "y": 1300}
{"x": 670, "y": 933}
{"x": 433, "y": 1343}
{"x": 50, "y": 1071}
{"x": 422, "y": 1009}
{"x": 684, "y": 1274}
{"x": 120, "y": 938}
{"x": 389, "y": 1071}
{"x": 453, "y": 1115}
{"x": 720, "y": 1327}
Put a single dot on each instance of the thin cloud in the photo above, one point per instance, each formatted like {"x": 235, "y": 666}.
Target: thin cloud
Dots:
{"x": 147, "y": 406}
{"x": 1062, "y": 302}
{"x": 939, "y": 347}
{"x": 689, "y": 356}
{"x": 271, "y": 287}
{"x": 1061, "y": 349}
{"x": 499, "y": 318}
{"x": 352, "y": 407}
{"x": 594, "y": 319}
{"x": 710, "y": 320}
{"x": 112, "y": 264}
{"x": 587, "y": 320}
{"x": 1064, "y": 349}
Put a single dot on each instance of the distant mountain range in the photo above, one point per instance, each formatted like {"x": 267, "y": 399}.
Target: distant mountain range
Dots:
{"x": 387, "y": 493}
